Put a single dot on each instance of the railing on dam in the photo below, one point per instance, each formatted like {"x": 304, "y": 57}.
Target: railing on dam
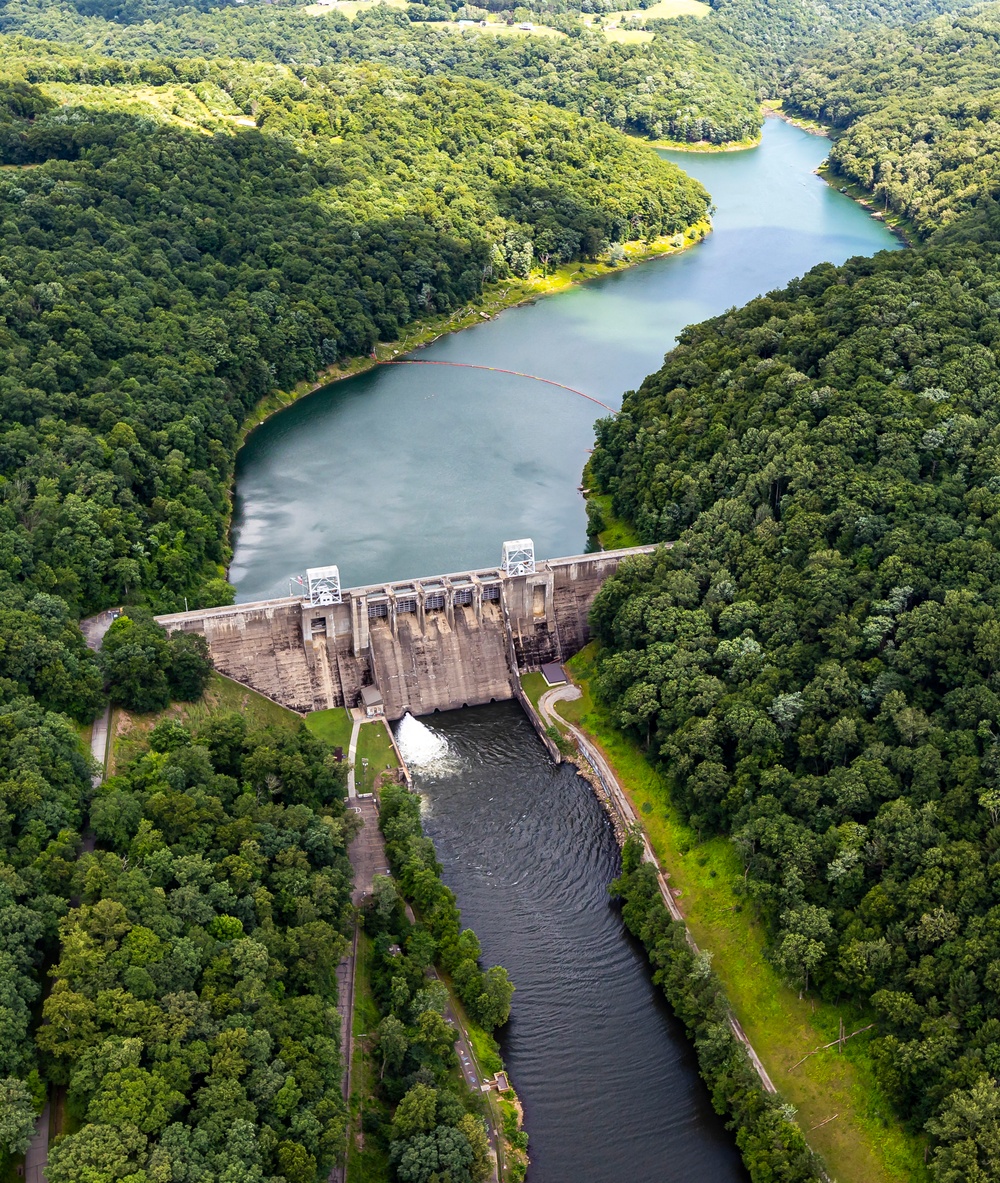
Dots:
{"x": 432, "y": 643}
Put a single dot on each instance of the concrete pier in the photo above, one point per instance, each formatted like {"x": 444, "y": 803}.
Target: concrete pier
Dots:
{"x": 436, "y": 643}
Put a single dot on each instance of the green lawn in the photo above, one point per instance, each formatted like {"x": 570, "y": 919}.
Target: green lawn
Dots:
{"x": 333, "y": 726}
{"x": 129, "y": 731}
{"x": 375, "y": 745}
{"x": 534, "y": 686}
{"x": 864, "y": 1143}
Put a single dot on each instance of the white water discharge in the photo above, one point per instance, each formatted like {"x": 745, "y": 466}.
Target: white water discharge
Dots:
{"x": 425, "y": 749}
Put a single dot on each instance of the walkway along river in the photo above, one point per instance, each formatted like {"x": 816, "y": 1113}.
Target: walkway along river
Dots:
{"x": 412, "y": 469}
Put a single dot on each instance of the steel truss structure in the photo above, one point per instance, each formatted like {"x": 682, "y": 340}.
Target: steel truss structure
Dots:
{"x": 324, "y": 585}
{"x": 518, "y": 557}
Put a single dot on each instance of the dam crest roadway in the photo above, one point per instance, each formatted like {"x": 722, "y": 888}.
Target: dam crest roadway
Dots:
{"x": 413, "y": 646}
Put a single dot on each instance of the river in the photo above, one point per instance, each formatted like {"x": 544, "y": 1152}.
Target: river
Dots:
{"x": 408, "y": 471}
{"x": 412, "y": 471}
{"x": 608, "y": 1080}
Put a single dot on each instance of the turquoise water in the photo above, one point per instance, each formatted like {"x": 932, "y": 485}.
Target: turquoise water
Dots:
{"x": 409, "y": 471}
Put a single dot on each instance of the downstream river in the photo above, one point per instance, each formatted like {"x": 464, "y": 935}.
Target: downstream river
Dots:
{"x": 414, "y": 471}
{"x": 608, "y": 1080}
{"x": 408, "y": 471}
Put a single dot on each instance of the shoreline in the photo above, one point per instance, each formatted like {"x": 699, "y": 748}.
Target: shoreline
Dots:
{"x": 774, "y": 108}
{"x": 896, "y": 224}
{"x": 692, "y": 881}
{"x": 705, "y": 146}
{"x": 515, "y": 294}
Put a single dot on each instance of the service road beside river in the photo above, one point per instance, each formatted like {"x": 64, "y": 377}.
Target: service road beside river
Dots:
{"x": 409, "y": 471}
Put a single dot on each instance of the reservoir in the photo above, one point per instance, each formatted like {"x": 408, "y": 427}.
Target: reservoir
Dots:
{"x": 413, "y": 471}
{"x": 409, "y": 471}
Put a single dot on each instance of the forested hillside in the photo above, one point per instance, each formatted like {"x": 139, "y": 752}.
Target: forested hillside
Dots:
{"x": 814, "y": 663}
{"x": 193, "y": 1009}
{"x": 670, "y": 87}
{"x": 920, "y": 113}
{"x": 158, "y": 280}
{"x": 697, "y": 79}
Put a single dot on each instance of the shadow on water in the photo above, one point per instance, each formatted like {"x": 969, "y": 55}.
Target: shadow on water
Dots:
{"x": 608, "y": 1080}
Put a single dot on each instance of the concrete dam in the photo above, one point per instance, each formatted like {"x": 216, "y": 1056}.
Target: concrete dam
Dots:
{"x": 428, "y": 644}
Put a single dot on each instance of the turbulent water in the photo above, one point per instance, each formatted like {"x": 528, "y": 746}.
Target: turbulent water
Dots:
{"x": 608, "y": 1080}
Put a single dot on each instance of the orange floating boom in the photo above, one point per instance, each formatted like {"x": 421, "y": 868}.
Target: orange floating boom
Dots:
{"x": 468, "y": 365}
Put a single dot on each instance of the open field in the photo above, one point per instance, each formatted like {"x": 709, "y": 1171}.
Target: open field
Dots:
{"x": 663, "y": 10}
{"x": 350, "y": 8}
{"x": 862, "y": 1141}
{"x": 627, "y": 36}
{"x": 129, "y": 731}
{"x": 501, "y": 29}
{"x": 375, "y": 746}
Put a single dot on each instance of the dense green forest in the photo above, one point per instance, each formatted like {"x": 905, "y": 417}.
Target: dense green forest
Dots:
{"x": 423, "y": 1118}
{"x": 177, "y": 239}
{"x": 920, "y": 113}
{"x": 200, "y": 203}
{"x": 670, "y": 87}
{"x": 813, "y": 664}
{"x": 698, "y": 79}
{"x": 157, "y": 281}
{"x": 193, "y": 1008}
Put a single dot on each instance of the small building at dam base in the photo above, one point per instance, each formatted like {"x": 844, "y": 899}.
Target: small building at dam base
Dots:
{"x": 417, "y": 646}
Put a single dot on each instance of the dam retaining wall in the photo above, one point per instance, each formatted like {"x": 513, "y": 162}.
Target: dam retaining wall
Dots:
{"x": 429, "y": 644}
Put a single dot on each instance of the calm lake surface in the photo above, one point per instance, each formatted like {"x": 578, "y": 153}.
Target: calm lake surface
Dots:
{"x": 608, "y": 1080}
{"x": 409, "y": 471}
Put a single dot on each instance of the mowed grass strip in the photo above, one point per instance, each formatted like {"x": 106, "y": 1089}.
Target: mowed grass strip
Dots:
{"x": 375, "y": 746}
{"x": 864, "y": 1143}
{"x": 332, "y": 726}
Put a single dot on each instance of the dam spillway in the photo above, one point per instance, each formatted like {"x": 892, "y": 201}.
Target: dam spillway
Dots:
{"x": 430, "y": 644}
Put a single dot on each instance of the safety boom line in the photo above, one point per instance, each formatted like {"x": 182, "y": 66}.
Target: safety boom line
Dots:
{"x": 468, "y": 365}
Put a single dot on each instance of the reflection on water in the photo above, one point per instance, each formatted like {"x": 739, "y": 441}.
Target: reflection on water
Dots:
{"x": 607, "y": 1077}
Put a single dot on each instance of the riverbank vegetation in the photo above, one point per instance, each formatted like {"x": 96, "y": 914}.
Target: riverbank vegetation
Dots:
{"x": 218, "y": 310}
{"x": 810, "y": 665}
{"x": 770, "y": 1142}
{"x": 915, "y": 110}
{"x": 865, "y": 1141}
{"x": 419, "y": 1112}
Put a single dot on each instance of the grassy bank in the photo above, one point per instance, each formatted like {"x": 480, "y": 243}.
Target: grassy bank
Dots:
{"x": 332, "y": 726}
{"x": 495, "y": 299}
{"x": 375, "y": 746}
{"x": 776, "y": 108}
{"x": 840, "y": 1108}
{"x": 366, "y": 1162}
{"x": 129, "y": 731}
{"x": 705, "y": 146}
